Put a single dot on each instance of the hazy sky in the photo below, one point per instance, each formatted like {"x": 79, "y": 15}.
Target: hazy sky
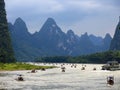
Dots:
{"x": 93, "y": 16}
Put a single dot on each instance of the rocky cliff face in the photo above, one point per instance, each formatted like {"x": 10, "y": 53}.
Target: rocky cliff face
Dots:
{"x": 22, "y": 41}
{"x": 115, "y": 43}
{"x": 107, "y": 41}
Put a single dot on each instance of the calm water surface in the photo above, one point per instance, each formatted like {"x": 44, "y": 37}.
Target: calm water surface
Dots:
{"x": 54, "y": 79}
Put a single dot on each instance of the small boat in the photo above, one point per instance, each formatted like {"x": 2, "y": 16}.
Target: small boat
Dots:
{"x": 111, "y": 65}
{"x": 33, "y": 71}
{"x": 20, "y": 78}
{"x": 63, "y": 69}
{"x": 43, "y": 69}
{"x": 75, "y": 66}
{"x": 72, "y": 65}
{"x": 83, "y": 68}
{"x": 94, "y": 68}
{"x": 110, "y": 80}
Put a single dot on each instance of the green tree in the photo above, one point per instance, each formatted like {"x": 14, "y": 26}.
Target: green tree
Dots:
{"x": 6, "y": 50}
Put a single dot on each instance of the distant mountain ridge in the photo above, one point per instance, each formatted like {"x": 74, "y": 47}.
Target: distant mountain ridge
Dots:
{"x": 52, "y": 41}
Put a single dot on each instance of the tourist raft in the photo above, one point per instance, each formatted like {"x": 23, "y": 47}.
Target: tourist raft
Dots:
{"x": 111, "y": 65}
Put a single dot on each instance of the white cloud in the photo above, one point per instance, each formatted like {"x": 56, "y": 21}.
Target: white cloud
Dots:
{"x": 85, "y": 5}
{"x": 43, "y": 6}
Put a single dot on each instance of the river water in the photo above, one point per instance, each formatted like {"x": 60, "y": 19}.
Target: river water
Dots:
{"x": 54, "y": 79}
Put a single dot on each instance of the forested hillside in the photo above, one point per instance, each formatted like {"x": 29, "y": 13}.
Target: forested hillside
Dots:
{"x": 6, "y": 51}
{"x": 93, "y": 58}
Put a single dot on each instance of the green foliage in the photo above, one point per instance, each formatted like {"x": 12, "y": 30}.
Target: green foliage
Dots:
{"x": 61, "y": 59}
{"x": 6, "y": 51}
{"x": 57, "y": 59}
{"x": 21, "y": 66}
{"x": 102, "y": 57}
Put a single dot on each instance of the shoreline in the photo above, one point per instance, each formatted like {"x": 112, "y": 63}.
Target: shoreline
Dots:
{"x": 22, "y": 67}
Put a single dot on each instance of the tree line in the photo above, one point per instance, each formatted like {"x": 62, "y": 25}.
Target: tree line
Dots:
{"x": 99, "y": 58}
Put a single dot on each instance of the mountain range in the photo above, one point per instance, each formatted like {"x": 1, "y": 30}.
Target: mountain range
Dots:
{"x": 52, "y": 41}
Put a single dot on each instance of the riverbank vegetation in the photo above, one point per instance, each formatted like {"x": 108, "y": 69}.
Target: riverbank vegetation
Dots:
{"x": 21, "y": 66}
{"x": 99, "y": 58}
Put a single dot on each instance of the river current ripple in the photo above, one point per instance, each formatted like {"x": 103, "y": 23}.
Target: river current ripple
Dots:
{"x": 54, "y": 79}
